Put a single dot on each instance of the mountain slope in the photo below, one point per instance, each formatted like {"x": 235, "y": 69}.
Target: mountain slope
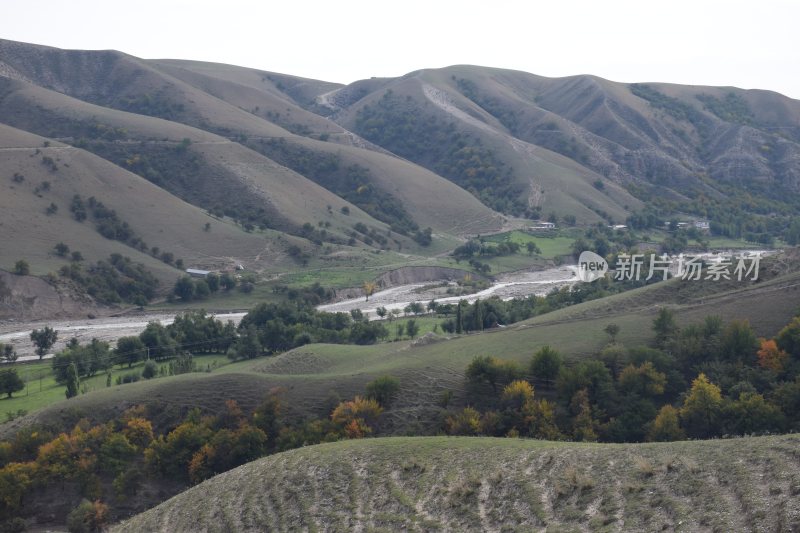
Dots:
{"x": 246, "y": 107}
{"x": 658, "y": 141}
{"x": 47, "y": 172}
{"x": 485, "y": 484}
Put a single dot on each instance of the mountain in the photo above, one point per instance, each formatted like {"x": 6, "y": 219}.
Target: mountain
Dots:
{"x": 126, "y": 120}
{"x": 583, "y": 146}
{"x": 461, "y": 150}
{"x": 486, "y": 484}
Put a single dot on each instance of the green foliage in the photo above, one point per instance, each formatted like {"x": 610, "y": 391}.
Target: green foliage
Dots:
{"x": 546, "y": 364}
{"x": 22, "y": 268}
{"x": 10, "y": 382}
{"x": 732, "y": 108}
{"x": 150, "y": 370}
{"x": 353, "y": 183}
{"x": 492, "y": 371}
{"x": 43, "y": 339}
{"x": 399, "y": 126}
{"x": 72, "y": 381}
{"x": 88, "y": 517}
{"x": 738, "y": 341}
{"x": 383, "y": 390}
{"x": 702, "y": 409}
{"x": 129, "y": 350}
{"x": 115, "y": 280}
{"x": 664, "y": 326}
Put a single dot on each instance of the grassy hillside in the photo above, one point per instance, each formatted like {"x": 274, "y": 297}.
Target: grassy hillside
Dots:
{"x": 483, "y": 484}
{"x": 53, "y": 173}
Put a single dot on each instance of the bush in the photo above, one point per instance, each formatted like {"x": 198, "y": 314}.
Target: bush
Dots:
{"x": 383, "y": 390}
{"x": 150, "y": 370}
{"x": 88, "y": 517}
{"x": 22, "y": 268}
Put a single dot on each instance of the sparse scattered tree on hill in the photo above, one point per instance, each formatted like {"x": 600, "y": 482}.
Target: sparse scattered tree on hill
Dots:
{"x": 22, "y": 268}
{"x": 43, "y": 339}
{"x": 533, "y": 248}
{"x": 381, "y": 311}
{"x": 61, "y": 249}
{"x": 612, "y": 330}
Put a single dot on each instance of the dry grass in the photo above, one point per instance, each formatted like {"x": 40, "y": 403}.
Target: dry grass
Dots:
{"x": 484, "y": 484}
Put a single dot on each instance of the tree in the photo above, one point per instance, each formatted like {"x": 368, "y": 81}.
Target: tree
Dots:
{"x": 771, "y": 357}
{"x": 61, "y": 249}
{"x": 213, "y": 282}
{"x": 356, "y": 417}
{"x": 381, "y": 311}
{"x": 44, "y": 339}
{"x": 227, "y": 282}
{"x": 643, "y": 380}
{"x": 88, "y": 517}
{"x": 700, "y": 414}
{"x": 664, "y": 326}
{"x": 8, "y": 353}
{"x": 22, "y": 268}
{"x": 532, "y": 248}
{"x": 412, "y": 328}
{"x": 72, "y": 381}
{"x": 612, "y": 330}
{"x": 129, "y": 350}
{"x": 383, "y": 390}
{"x": 10, "y": 382}
{"x": 201, "y": 289}
{"x": 666, "y": 427}
{"x": 150, "y": 369}
{"x": 545, "y": 364}
{"x": 788, "y": 339}
{"x": 582, "y": 424}
{"x": 466, "y": 422}
{"x": 369, "y": 289}
{"x": 184, "y": 288}
{"x": 750, "y": 414}
{"x": 247, "y": 346}
{"x": 739, "y": 343}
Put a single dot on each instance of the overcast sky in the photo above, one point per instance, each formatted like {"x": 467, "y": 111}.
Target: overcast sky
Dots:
{"x": 701, "y": 42}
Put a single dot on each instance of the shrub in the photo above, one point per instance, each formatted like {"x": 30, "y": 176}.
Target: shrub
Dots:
{"x": 88, "y": 517}
{"x": 150, "y": 370}
{"x": 383, "y": 389}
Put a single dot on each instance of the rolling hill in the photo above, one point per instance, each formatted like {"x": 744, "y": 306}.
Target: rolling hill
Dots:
{"x": 484, "y": 484}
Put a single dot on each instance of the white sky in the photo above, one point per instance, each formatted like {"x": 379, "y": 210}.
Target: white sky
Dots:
{"x": 745, "y": 44}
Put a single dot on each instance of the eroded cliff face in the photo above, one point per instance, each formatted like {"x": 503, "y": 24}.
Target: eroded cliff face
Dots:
{"x": 32, "y": 298}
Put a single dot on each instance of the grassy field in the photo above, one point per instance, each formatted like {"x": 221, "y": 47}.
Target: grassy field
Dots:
{"x": 42, "y": 390}
{"x": 486, "y": 484}
{"x": 551, "y": 247}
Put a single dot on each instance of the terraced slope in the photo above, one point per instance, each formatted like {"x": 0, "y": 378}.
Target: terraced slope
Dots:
{"x": 484, "y": 484}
